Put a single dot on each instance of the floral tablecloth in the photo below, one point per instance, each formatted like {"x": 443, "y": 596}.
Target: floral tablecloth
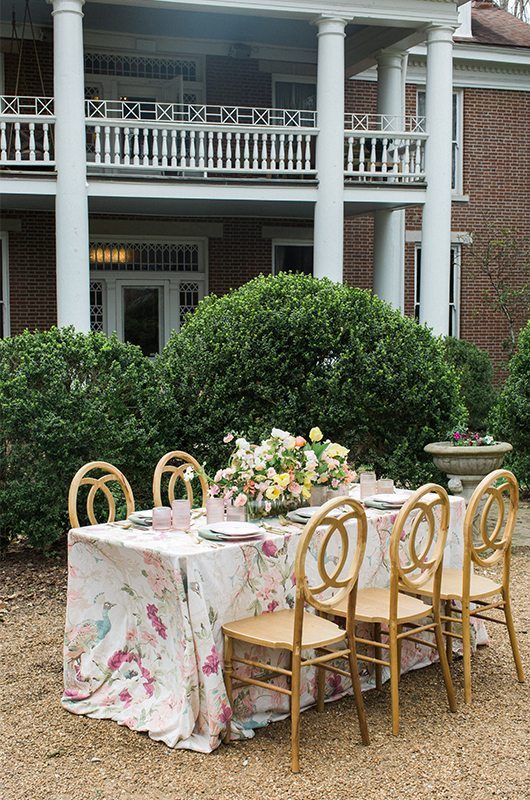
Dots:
{"x": 143, "y": 640}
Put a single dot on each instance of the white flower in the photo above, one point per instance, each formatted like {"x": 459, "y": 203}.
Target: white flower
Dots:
{"x": 189, "y": 474}
{"x": 289, "y": 442}
{"x": 242, "y": 444}
{"x": 276, "y": 433}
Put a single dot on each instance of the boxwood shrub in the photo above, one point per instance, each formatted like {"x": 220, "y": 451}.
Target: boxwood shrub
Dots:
{"x": 293, "y": 351}
{"x": 510, "y": 419}
{"x": 67, "y": 398}
{"x": 475, "y": 373}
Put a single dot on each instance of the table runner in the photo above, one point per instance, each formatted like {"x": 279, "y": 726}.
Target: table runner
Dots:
{"x": 143, "y": 639}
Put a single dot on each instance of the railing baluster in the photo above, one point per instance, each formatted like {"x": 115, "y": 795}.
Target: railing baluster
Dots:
{"x": 210, "y": 149}
{"x": 126, "y": 147}
{"x": 290, "y": 152}
{"x": 32, "y": 141}
{"x": 349, "y": 157}
{"x": 136, "y": 146}
{"x": 228, "y": 150}
{"x": 307, "y": 165}
{"x": 395, "y": 166}
{"x": 97, "y": 144}
{"x": 282, "y": 152}
{"x": 373, "y": 155}
{"x": 117, "y": 145}
{"x": 406, "y": 164}
{"x": 219, "y": 149}
{"x": 418, "y": 157}
{"x": 106, "y": 144}
{"x": 192, "y": 148}
{"x": 237, "y": 159}
{"x": 384, "y": 157}
{"x": 201, "y": 149}
{"x": 246, "y": 152}
{"x": 3, "y": 142}
{"x": 183, "y": 154}
{"x": 45, "y": 143}
{"x": 145, "y": 148}
{"x": 173, "y": 161}
{"x": 255, "y": 152}
{"x": 18, "y": 156}
{"x": 264, "y": 153}
{"x": 164, "y": 147}
{"x": 154, "y": 149}
{"x": 273, "y": 152}
{"x": 361, "y": 154}
{"x": 298, "y": 152}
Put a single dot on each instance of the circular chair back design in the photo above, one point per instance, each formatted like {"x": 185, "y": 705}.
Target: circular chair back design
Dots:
{"x": 98, "y": 484}
{"x": 178, "y": 472}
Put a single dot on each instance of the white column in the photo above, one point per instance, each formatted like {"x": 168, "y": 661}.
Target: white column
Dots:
{"x": 389, "y": 229}
{"x": 71, "y": 204}
{"x": 329, "y": 209}
{"x": 436, "y": 222}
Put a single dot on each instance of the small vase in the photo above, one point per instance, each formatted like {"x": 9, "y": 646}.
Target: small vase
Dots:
{"x": 259, "y": 509}
{"x": 319, "y": 495}
{"x": 341, "y": 491}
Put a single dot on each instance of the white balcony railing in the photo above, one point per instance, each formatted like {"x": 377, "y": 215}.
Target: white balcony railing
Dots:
{"x": 382, "y": 148}
{"x": 200, "y": 140}
{"x": 26, "y": 131}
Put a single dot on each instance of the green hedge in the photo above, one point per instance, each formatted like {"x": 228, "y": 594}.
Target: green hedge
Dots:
{"x": 475, "y": 373}
{"x": 293, "y": 351}
{"x": 67, "y": 398}
{"x": 510, "y": 419}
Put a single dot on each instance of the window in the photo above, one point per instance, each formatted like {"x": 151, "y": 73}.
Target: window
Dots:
{"x": 144, "y": 289}
{"x": 457, "y": 136}
{"x": 454, "y": 288}
{"x": 300, "y": 94}
{"x": 4, "y": 288}
{"x": 292, "y": 257}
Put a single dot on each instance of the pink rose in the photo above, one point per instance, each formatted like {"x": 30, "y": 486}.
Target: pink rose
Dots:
{"x": 295, "y": 488}
{"x": 228, "y": 438}
{"x": 335, "y": 483}
{"x": 269, "y": 548}
{"x": 271, "y": 472}
{"x": 240, "y": 500}
{"x": 299, "y": 441}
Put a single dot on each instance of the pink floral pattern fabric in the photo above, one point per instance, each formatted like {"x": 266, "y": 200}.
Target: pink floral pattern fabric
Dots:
{"x": 143, "y": 639}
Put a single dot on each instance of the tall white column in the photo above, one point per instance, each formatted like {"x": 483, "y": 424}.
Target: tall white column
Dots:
{"x": 329, "y": 209}
{"x": 71, "y": 204}
{"x": 389, "y": 230}
{"x": 436, "y": 222}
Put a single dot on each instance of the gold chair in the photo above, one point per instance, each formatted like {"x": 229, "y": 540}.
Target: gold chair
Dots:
{"x": 416, "y": 557}
{"x": 178, "y": 472}
{"x": 81, "y": 478}
{"x": 298, "y": 630}
{"x": 465, "y": 587}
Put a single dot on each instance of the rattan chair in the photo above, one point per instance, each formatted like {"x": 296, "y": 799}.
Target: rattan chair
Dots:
{"x": 416, "y": 552}
{"x": 497, "y": 490}
{"x": 178, "y": 472}
{"x": 98, "y": 484}
{"x": 299, "y": 630}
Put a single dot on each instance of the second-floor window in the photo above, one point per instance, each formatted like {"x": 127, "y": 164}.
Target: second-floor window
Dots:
{"x": 454, "y": 288}
{"x": 298, "y": 94}
{"x": 457, "y": 136}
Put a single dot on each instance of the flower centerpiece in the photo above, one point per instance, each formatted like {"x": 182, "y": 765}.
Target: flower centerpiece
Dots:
{"x": 278, "y": 474}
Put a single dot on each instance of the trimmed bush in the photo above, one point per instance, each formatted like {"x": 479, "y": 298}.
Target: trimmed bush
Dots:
{"x": 510, "y": 419}
{"x": 292, "y": 351}
{"x": 475, "y": 373}
{"x": 67, "y": 398}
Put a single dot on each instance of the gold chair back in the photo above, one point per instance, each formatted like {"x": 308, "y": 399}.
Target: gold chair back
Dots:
{"x": 82, "y": 478}
{"x": 495, "y": 537}
{"x": 418, "y": 539}
{"x": 349, "y": 511}
{"x": 178, "y": 472}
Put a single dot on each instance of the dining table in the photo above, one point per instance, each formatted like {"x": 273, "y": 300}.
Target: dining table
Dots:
{"x": 143, "y": 638}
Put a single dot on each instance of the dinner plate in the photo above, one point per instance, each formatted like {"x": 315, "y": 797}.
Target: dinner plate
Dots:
{"x": 238, "y": 529}
{"x": 207, "y": 533}
{"x": 389, "y": 499}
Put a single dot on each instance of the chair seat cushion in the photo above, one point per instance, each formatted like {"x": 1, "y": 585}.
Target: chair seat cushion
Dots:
{"x": 277, "y": 630}
{"x": 452, "y": 586}
{"x": 373, "y": 605}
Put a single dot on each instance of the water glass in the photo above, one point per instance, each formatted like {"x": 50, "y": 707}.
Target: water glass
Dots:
{"x": 161, "y": 518}
{"x": 385, "y": 486}
{"x": 319, "y": 495}
{"x": 181, "y": 515}
{"x": 215, "y": 510}
{"x": 236, "y": 513}
{"x": 368, "y": 483}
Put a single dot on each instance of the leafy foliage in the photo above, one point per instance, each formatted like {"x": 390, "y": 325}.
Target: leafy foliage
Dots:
{"x": 510, "y": 420}
{"x": 68, "y": 398}
{"x": 293, "y": 351}
{"x": 475, "y": 373}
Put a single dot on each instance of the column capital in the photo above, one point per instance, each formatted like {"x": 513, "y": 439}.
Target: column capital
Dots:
{"x": 330, "y": 24}
{"x": 390, "y": 57}
{"x": 66, "y": 6}
{"x": 440, "y": 33}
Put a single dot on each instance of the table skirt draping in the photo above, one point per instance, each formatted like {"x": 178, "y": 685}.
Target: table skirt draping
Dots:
{"x": 143, "y": 639}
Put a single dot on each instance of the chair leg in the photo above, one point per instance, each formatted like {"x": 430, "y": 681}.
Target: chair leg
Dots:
{"x": 513, "y": 637}
{"x": 400, "y": 646}
{"x": 444, "y": 663}
{"x": 321, "y": 688}
{"x": 466, "y": 643}
{"x": 394, "y": 676}
{"x": 357, "y": 691}
{"x": 295, "y": 712}
{"x": 228, "y": 654}
{"x": 448, "y": 627}
{"x": 377, "y": 654}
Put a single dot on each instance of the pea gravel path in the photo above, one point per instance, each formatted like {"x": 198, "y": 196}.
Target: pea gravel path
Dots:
{"x": 46, "y": 753}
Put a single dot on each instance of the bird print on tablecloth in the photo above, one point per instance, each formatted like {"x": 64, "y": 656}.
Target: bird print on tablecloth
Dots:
{"x": 89, "y": 633}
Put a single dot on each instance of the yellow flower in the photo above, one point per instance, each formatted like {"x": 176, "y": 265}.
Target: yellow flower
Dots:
{"x": 315, "y": 434}
{"x": 273, "y": 492}
{"x": 283, "y": 479}
{"x": 334, "y": 450}
{"x": 306, "y": 492}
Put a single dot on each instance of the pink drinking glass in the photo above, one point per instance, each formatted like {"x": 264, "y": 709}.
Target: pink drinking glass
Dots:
{"x": 181, "y": 515}
{"x": 161, "y": 518}
{"x": 215, "y": 510}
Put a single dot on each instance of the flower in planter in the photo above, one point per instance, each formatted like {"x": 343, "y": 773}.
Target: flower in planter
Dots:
{"x": 462, "y": 437}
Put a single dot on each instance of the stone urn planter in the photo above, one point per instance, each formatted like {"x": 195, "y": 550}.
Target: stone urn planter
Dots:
{"x": 466, "y": 466}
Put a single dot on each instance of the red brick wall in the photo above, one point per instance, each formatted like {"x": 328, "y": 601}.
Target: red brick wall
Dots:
{"x": 237, "y": 82}
{"x": 29, "y": 81}
{"x": 31, "y": 256}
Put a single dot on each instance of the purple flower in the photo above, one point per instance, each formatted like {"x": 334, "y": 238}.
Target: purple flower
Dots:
{"x": 156, "y": 622}
{"x": 272, "y": 605}
{"x": 269, "y": 548}
{"x": 211, "y": 665}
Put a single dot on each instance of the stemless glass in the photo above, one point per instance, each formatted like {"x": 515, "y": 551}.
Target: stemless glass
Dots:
{"x": 161, "y": 518}
{"x": 215, "y": 510}
{"x": 385, "y": 486}
{"x": 181, "y": 515}
{"x": 236, "y": 513}
{"x": 368, "y": 484}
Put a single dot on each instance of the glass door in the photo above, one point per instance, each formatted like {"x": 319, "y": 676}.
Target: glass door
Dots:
{"x": 142, "y": 317}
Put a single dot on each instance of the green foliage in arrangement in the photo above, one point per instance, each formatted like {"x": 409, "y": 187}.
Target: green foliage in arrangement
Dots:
{"x": 67, "y": 398}
{"x": 510, "y": 419}
{"x": 292, "y": 352}
{"x": 475, "y": 373}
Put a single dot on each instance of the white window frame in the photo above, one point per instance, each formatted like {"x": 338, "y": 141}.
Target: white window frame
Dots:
{"x": 290, "y": 243}
{"x": 291, "y": 79}
{"x": 454, "y": 307}
{"x": 457, "y": 145}
{"x": 6, "y": 318}
{"x": 115, "y": 280}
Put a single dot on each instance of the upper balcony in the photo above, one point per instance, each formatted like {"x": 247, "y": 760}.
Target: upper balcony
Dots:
{"x": 152, "y": 141}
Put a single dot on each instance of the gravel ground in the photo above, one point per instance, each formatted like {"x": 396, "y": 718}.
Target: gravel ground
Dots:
{"x": 479, "y": 752}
